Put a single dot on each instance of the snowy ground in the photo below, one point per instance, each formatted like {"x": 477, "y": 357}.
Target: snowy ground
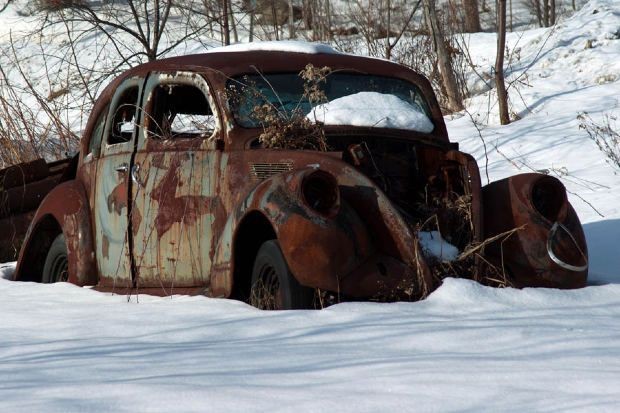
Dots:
{"x": 465, "y": 348}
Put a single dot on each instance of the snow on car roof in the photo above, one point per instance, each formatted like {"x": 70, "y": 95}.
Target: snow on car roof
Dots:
{"x": 290, "y": 46}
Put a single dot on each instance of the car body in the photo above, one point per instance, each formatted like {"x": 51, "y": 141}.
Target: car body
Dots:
{"x": 145, "y": 209}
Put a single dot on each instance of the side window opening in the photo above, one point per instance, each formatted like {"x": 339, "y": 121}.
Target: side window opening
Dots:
{"x": 124, "y": 117}
{"x": 179, "y": 111}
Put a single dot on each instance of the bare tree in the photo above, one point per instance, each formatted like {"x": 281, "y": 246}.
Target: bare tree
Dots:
{"x": 392, "y": 41}
{"x": 225, "y": 25}
{"x": 31, "y": 124}
{"x": 144, "y": 22}
{"x": 544, "y": 10}
{"x": 291, "y": 20}
{"x": 502, "y": 94}
{"x": 551, "y": 12}
{"x": 472, "y": 16}
{"x": 444, "y": 61}
{"x": 46, "y": 89}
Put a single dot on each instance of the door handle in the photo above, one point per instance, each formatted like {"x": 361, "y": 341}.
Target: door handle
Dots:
{"x": 122, "y": 168}
{"x": 135, "y": 170}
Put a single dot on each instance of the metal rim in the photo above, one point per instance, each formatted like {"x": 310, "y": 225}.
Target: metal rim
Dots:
{"x": 266, "y": 291}
{"x": 59, "y": 271}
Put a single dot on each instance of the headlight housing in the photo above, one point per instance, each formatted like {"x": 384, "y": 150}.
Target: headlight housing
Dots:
{"x": 548, "y": 197}
{"x": 320, "y": 192}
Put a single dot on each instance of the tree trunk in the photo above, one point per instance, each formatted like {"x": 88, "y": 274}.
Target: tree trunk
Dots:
{"x": 291, "y": 20}
{"x": 308, "y": 18}
{"x": 225, "y": 28}
{"x": 538, "y": 13}
{"x": 274, "y": 16}
{"x": 551, "y": 12}
{"x": 546, "y": 13}
{"x": 444, "y": 62}
{"x": 388, "y": 48}
{"x": 328, "y": 8}
{"x": 472, "y": 17}
{"x": 233, "y": 22}
{"x": 502, "y": 94}
{"x": 252, "y": 18}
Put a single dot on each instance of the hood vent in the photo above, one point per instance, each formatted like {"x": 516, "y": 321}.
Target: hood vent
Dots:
{"x": 263, "y": 170}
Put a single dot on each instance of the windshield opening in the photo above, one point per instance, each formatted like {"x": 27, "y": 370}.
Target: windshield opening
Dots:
{"x": 346, "y": 99}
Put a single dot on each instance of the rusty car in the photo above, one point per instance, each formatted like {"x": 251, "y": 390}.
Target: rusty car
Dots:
{"x": 175, "y": 190}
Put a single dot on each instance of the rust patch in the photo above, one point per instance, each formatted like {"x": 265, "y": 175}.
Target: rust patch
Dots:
{"x": 172, "y": 209}
{"x": 105, "y": 246}
{"x": 117, "y": 200}
{"x": 136, "y": 220}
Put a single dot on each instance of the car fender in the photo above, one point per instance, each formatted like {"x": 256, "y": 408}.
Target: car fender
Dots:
{"x": 548, "y": 247}
{"x": 67, "y": 204}
{"x": 340, "y": 243}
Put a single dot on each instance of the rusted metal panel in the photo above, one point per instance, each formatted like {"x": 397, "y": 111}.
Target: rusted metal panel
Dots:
{"x": 112, "y": 185}
{"x": 67, "y": 204}
{"x": 14, "y": 228}
{"x": 24, "y": 173}
{"x": 528, "y": 255}
{"x": 323, "y": 252}
{"x": 178, "y": 207}
{"x": 22, "y": 188}
{"x": 111, "y": 220}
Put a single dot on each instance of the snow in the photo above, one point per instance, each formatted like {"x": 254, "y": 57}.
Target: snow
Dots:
{"x": 290, "y": 46}
{"x": 372, "y": 109}
{"x": 465, "y": 348}
{"x": 433, "y": 243}
{"x": 7, "y": 270}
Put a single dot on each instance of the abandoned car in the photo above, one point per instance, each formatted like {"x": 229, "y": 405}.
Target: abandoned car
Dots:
{"x": 284, "y": 178}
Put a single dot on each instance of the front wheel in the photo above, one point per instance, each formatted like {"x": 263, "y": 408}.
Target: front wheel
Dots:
{"x": 56, "y": 267}
{"x": 273, "y": 285}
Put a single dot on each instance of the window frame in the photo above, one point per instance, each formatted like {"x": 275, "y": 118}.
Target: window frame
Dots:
{"x": 157, "y": 79}
{"x": 121, "y": 147}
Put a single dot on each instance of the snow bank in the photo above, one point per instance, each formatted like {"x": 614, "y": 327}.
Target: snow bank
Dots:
{"x": 372, "y": 109}
{"x": 467, "y": 348}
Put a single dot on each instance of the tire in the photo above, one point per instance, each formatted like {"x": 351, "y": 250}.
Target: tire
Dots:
{"x": 56, "y": 264}
{"x": 273, "y": 285}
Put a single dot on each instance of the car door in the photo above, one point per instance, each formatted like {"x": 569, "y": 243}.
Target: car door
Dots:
{"x": 112, "y": 208}
{"x": 175, "y": 204}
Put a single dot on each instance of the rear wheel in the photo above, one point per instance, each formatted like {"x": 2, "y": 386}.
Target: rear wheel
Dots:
{"x": 56, "y": 267}
{"x": 273, "y": 285}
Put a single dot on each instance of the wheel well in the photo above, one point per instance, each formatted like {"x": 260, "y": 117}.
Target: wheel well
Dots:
{"x": 253, "y": 230}
{"x": 31, "y": 265}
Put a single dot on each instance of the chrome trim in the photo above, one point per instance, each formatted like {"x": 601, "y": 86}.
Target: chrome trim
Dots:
{"x": 554, "y": 257}
{"x": 135, "y": 170}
